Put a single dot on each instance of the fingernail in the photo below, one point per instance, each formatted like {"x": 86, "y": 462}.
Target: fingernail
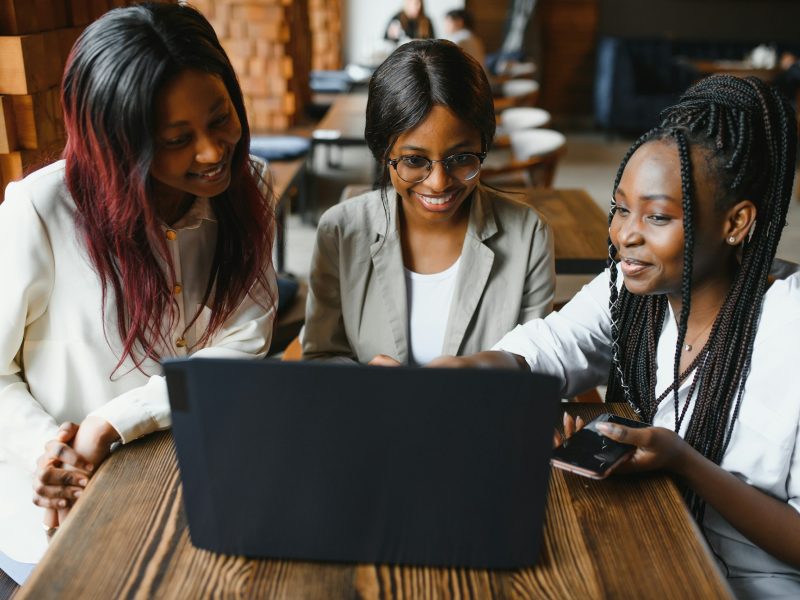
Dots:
{"x": 62, "y": 503}
{"x": 565, "y": 418}
{"x": 77, "y": 494}
{"x": 83, "y": 482}
{"x": 605, "y": 428}
{"x": 90, "y": 467}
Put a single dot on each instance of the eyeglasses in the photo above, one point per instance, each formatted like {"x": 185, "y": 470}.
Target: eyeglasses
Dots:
{"x": 463, "y": 166}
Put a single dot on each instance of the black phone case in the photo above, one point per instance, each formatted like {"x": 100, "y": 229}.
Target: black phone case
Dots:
{"x": 590, "y": 453}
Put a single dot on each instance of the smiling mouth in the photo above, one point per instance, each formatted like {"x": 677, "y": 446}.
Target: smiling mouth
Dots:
{"x": 212, "y": 173}
{"x": 439, "y": 202}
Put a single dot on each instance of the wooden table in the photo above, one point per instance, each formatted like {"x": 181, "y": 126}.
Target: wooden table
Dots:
{"x": 288, "y": 185}
{"x": 580, "y": 228}
{"x": 738, "y": 68}
{"x": 343, "y": 124}
{"x": 626, "y": 537}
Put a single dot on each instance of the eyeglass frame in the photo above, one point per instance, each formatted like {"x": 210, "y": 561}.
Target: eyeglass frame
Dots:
{"x": 481, "y": 156}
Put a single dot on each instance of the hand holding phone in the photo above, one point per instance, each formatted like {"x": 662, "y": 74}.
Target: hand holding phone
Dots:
{"x": 591, "y": 454}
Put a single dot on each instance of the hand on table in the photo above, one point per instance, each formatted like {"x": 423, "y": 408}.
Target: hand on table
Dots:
{"x": 383, "y": 360}
{"x": 61, "y": 474}
{"x": 67, "y": 465}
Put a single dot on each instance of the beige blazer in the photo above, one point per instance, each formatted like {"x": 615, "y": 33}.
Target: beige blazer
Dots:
{"x": 357, "y": 303}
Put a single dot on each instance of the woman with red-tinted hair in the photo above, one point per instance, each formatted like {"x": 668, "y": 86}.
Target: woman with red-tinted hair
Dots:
{"x": 151, "y": 239}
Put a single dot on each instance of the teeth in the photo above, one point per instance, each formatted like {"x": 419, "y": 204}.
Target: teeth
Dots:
{"x": 436, "y": 200}
{"x": 210, "y": 174}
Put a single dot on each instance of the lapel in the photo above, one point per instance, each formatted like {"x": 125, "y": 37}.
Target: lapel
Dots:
{"x": 473, "y": 272}
{"x": 387, "y": 260}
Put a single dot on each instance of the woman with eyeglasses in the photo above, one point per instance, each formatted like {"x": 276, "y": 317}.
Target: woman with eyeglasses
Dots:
{"x": 432, "y": 262}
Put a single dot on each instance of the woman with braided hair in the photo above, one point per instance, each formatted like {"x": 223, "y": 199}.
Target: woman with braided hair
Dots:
{"x": 695, "y": 335}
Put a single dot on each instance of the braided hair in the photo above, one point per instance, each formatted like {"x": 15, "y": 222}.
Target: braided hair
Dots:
{"x": 749, "y": 131}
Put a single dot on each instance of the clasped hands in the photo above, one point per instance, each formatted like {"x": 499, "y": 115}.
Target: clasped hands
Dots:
{"x": 68, "y": 462}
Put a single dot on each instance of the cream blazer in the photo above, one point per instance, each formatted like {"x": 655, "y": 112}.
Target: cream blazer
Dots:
{"x": 357, "y": 305}
{"x": 57, "y": 356}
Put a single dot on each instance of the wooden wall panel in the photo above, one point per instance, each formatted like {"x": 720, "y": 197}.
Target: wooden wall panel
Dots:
{"x": 561, "y": 38}
{"x": 268, "y": 43}
{"x": 568, "y": 48}
{"x": 325, "y": 23}
{"x": 8, "y": 126}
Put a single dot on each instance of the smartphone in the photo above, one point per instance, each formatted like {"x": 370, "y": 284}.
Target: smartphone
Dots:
{"x": 591, "y": 454}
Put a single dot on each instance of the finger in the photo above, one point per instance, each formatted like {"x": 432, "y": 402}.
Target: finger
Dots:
{"x": 623, "y": 466}
{"x": 57, "y": 491}
{"x": 558, "y": 439}
{"x": 54, "y": 503}
{"x": 66, "y": 431}
{"x": 579, "y": 423}
{"x": 50, "y": 518}
{"x": 63, "y": 477}
{"x": 569, "y": 425}
{"x": 63, "y": 513}
{"x": 616, "y": 432}
{"x": 61, "y": 452}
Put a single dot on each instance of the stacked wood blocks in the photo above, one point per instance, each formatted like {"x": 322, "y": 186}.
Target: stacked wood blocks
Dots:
{"x": 36, "y": 37}
{"x": 325, "y": 21}
{"x": 268, "y": 43}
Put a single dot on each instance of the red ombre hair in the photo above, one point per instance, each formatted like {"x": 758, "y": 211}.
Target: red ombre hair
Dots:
{"x": 111, "y": 80}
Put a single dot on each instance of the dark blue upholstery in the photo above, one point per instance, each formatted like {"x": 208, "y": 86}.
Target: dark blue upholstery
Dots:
{"x": 279, "y": 147}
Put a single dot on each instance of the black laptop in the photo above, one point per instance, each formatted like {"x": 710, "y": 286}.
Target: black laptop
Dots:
{"x": 312, "y": 461}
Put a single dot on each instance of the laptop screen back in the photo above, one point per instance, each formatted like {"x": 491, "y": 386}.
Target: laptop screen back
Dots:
{"x": 363, "y": 464}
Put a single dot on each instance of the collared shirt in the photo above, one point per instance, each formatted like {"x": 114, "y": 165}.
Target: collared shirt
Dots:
{"x": 58, "y": 358}
{"x": 574, "y": 344}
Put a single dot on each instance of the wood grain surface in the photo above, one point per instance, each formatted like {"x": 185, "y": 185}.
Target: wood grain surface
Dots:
{"x": 346, "y": 117}
{"x": 580, "y": 228}
{"x": 626, "y": 537}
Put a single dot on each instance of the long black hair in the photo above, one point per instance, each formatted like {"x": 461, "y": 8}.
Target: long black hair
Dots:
{"x": 111, "y": 81}
{"x": 749, "y": 133}
{"x": 416, "y": 77}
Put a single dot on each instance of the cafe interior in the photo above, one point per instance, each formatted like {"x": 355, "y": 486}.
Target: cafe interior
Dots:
{"x": 575, "y": 82}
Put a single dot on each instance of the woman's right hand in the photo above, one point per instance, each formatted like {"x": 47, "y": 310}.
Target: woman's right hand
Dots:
{"x": 384, "y": 360}
{"x": 61, "y": 473}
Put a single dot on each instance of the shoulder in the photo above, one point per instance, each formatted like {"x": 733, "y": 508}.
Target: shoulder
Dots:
{"x": 364, "y": 213}
{"x": 44, "y": 191}
{"x": 510, "y": 210}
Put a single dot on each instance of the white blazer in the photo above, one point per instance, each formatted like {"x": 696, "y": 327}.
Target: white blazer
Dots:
{"x": 57, "y": 357}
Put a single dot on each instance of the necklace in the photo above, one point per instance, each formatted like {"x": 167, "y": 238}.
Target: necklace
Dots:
{"x": 687, "y": 347}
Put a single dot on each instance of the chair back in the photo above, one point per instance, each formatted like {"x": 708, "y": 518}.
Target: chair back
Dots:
{"x": 540, "y": 150}
{"x": 517, "y": 92}
{"x": 523, "y": 117}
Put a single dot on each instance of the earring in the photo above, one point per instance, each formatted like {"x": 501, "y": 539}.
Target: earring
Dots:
{"x": 731, "y": 240}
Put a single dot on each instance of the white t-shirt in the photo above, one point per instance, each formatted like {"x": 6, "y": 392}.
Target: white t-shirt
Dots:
{"x": 574, "y": 345}
{"x": 429, "y": 298}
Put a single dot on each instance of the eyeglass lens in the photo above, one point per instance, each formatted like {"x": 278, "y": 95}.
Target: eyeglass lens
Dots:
{"x": 414, "y": 169}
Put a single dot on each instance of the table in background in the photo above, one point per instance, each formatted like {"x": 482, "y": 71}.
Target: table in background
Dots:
{"x": 288, "y": 186}
{"x": 579, "y": 227}
{"x": 342, "y": 125}
{"x": 625, "y": 537}
{"x": 738, "y": 68}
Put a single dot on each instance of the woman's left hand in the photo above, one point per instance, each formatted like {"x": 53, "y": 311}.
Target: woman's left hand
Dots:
{"x": 656, "y": 447}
